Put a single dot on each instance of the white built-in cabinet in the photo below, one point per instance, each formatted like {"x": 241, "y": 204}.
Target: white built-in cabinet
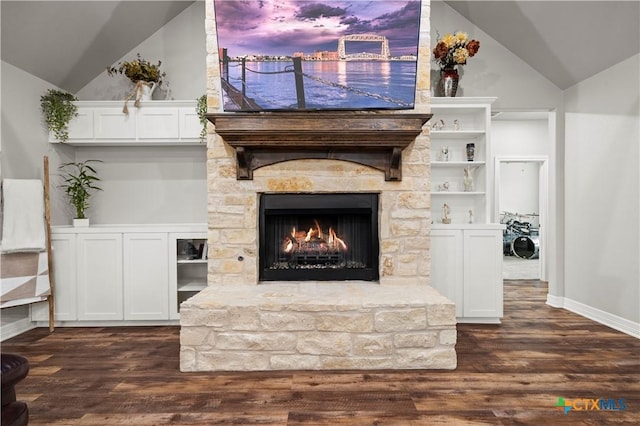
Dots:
{"x": 466, "y": 254}
{"x": 103, "y": 123}
{"x": 127, "y": 274}
{"x": 466, "y": 266}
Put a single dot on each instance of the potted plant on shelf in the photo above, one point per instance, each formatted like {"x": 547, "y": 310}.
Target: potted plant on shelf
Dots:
{"x": 79, "y": 183}
{"x": 145, "y": 75}
{"x": 58, "y": 109}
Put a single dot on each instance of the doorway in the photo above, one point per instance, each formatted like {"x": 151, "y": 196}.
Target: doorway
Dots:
{"x": 521, "y": 201}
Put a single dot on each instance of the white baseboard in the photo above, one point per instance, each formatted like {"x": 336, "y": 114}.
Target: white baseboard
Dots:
{"x": 605, "y": 318}
{"x": 555, "y": 301}
{"x": 15, "y": 328}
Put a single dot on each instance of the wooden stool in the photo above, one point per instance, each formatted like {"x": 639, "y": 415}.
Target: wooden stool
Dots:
{"x": 14, "y": 369}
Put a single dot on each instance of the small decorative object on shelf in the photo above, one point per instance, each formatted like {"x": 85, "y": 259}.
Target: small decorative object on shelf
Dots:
{"x": 456, "y": 125}
{"x": 443, "y": 187}
{"x": 444, "y": 153}
{"x": 438, "y": 125}
{"x": 468, "y": 178}
{"x": 471, "y": 151}
{"x": 452, "y": 50}
{"x": 445, "y": 214}
{"x": 79, "y": 182}
{"x": 470, "y": 216}
{"x": 143, "y": 74}
{"x": 58, "y": 109}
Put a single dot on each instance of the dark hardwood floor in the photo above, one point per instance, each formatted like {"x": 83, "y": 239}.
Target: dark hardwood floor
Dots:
{"x": 511, "y": 373}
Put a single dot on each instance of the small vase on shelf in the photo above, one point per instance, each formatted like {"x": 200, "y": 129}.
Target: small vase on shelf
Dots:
{"x": 146, "y": 89}
{"x": 471, "y": 151}
{"x": 449, "y": 79}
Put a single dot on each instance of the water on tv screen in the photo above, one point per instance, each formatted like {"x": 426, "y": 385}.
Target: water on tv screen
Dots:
{"x": 317, "y": 55}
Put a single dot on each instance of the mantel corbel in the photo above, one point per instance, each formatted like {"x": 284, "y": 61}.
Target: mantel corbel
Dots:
{"x": 373, "y": 139}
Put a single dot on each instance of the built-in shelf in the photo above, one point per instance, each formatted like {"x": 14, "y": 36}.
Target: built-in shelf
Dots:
{"x": 191, "y": 285}
{"x": 456, "y": 163}
{"x": 375, "y": 139}
{"x": 458, "y": 134}
{"x": 191, "y": 261}
{"x": 154, "y": 123}
{"x": 436, "y": 193}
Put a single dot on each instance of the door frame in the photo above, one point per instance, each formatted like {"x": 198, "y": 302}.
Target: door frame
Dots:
{"x": 543, "y": 199}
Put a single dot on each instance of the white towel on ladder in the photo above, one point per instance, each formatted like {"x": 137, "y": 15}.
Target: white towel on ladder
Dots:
{"x": 23, "y": 227}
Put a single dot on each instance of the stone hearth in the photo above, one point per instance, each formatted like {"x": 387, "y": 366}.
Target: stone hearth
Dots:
{"x": 317, "y": 326}
{"x": 238, "y": 323}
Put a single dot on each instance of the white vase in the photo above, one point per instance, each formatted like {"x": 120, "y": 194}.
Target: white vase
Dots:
{"x": 81, "y": 223}
{"x": 146, "y": 90}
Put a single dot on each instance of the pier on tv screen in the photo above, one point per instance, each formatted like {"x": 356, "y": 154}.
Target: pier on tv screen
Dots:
{"x": 316, "y": 55}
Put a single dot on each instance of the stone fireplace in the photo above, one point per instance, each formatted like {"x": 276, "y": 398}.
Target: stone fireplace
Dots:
{"x": 381, "y": 314}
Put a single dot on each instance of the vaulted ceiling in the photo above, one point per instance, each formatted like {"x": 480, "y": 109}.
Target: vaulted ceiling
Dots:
{"x": 565, "y": 41}
{"x": 68, "y": 43}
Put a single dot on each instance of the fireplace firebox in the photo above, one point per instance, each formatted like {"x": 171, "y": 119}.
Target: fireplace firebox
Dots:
{"x": 318, "y": 237}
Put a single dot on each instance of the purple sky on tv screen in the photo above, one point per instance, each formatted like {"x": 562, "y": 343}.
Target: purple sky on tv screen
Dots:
{"x": 282, "y": 27}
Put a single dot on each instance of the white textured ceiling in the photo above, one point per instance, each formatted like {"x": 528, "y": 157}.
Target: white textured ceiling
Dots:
{"x": 68, "y": 43}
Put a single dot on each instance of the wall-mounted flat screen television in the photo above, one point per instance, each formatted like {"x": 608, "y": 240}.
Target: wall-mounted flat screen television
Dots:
{"x": 318, "y": 54}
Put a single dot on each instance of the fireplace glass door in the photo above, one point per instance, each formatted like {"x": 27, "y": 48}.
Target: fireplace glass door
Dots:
{"x": 318, "y": 237}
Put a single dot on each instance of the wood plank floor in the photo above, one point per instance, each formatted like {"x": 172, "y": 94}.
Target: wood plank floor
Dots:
{"x": 511, "y": 373}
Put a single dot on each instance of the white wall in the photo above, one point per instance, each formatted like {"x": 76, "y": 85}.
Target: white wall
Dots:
{"x": 24, "y": 134}
{"x": 519, "y": 137}
{"x": 519, "y": 190}
{"x": 142, "y": 185}
{"x": 179, "y": 45}
{"x": 602, "y": 223}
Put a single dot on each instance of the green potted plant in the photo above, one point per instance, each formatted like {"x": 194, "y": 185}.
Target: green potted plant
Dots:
{"x": 58, "y": 109}
{"x": 79, "y": 181}
{"x": 201, "y": 110}
{"x": 145, "y": 75}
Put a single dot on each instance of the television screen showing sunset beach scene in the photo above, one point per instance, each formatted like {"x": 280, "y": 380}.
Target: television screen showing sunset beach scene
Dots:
{"x": 317, "y": 55}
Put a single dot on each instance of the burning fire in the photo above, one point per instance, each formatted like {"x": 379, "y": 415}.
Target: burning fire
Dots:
{"x": 313, "y": 239}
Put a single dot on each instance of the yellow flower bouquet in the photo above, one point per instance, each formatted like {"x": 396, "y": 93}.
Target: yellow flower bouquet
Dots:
{"x": 454, "y": 49}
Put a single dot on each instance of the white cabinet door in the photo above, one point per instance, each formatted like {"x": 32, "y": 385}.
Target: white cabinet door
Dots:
{"x": 190, "y": 126}
{"x": 146, "y": 276}
{"x": 482, "y": 273}
{"x": 446, "y": 265}
{"x": 157, "y": 123}
{"x": 64, "y": 279}
{"x": 112, "y": 123}
{"x": 99, "y": 276}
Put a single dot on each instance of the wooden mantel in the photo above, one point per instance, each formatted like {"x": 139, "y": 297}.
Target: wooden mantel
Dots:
{"x": 375, "y": 139}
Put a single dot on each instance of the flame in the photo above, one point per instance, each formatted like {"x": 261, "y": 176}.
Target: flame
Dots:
{"x": 313, "y": 239}
{"x": 335, "y": 241}
{"x": 288, "y": 245}
{"x": 309, "y": 235}
{"x": 318, "y": 230}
